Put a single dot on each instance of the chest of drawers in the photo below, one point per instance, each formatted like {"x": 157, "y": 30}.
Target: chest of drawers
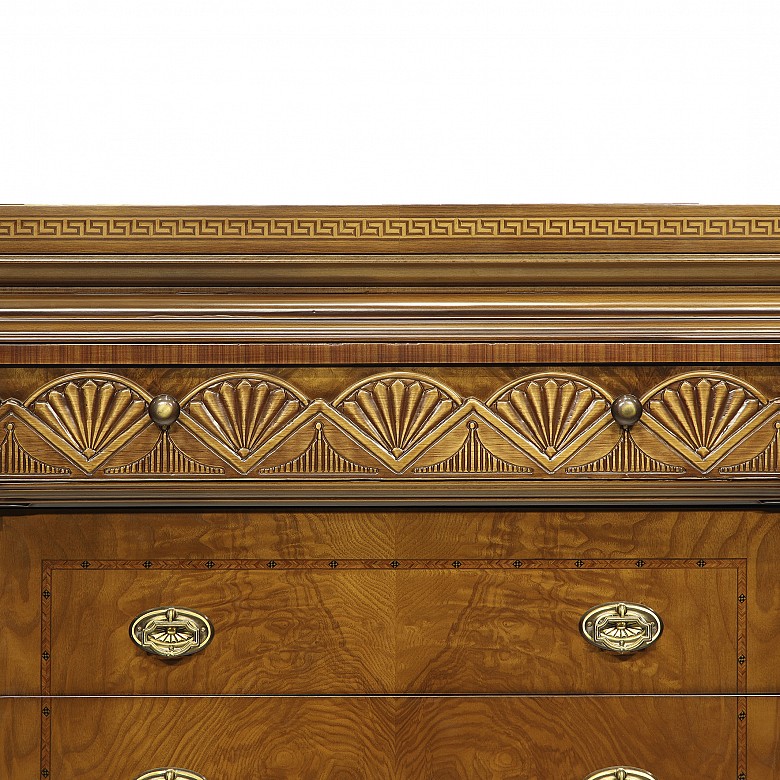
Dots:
{"x": 462, "y": 492}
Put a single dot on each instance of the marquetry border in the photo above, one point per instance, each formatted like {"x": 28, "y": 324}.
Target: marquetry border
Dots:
{"x": 356, "y": 228}
{"x": 209, "y": 565}
{"x": 386, "y": 229}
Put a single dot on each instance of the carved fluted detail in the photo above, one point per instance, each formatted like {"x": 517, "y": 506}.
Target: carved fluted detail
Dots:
{"x": 551, "y": 425}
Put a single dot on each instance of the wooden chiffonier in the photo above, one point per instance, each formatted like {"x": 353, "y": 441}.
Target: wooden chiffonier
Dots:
{"x": 409, "y": 492}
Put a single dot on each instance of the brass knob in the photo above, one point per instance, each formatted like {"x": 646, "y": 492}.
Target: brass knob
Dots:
{"x": 620, "y": 773}
{"x": 621, "y": 627}
{"x": 170, "y": 774}
{"x": 627, "y": 409}
{"x": 164, "y": 410}
{"x": 171, "y": 632}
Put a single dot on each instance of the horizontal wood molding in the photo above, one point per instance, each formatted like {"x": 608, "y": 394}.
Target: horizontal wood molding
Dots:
{"x": 260, "y": 353}
{"x": 28, "y": 493}
{"x": 538, "y": 315}
{"x": 433, "y": 272}
{"x": 262, "y": 434}
{"x": 257, "y": 290}
{"x": 555, "y": 228}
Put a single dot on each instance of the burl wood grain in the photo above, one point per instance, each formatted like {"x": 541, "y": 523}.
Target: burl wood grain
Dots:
{"x": 393, "y": 631}
{"x": 399, "y": 739}
{"x": 28, "y": 539}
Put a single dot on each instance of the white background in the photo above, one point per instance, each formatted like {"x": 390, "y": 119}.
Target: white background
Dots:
{"x": 229, "y": 102}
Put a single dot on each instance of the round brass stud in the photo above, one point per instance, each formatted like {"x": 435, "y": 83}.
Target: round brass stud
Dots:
{"x": 164, "y": 410}
{"x": 627, "y": 410}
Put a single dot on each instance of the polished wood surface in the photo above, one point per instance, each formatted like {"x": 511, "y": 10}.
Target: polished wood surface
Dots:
{"x": 315, "y": 631}
{"x": 764, "y": 738}
{"x": 501, "y": 738}
{"x": 398, "y": 739}
{"x": 20, "y": 738}
{"x": 395, "y": 471}
{"x": 473, "y": 537}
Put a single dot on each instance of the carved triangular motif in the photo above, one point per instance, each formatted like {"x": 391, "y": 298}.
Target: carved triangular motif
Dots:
{"x": 625, "y": 458}
{"x": 165, "y": 458}
{"x": 319, "y": 458}
{"x": 766, "y": 462}
{"x": 14, "y": 459}
{"x": 473, "y": 458}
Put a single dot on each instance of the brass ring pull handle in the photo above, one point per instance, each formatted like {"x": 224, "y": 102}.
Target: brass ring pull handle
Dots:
{"x": 621, "y": 627}
{"x": 620, "y": 773}
{"x": 171, "y": 632}
{"x": 170, "y": 774}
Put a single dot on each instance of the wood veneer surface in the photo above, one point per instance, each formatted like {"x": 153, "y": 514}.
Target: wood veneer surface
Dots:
{"x": 393, "y": 631}
{"x": 398, "y": 739}
{"x": 475, "y": 537}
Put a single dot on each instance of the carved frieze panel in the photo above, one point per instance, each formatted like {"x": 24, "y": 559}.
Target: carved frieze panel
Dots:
{"x": 258, "y": 426}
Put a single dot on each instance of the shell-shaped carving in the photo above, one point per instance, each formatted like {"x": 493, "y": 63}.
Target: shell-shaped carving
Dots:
{"x": 397, "y": 411}
{"x": 550, "y": 411}
{"x": 243, "y": 412}
{"x": 703, "y": 412}
{"x": 89, "y": 413}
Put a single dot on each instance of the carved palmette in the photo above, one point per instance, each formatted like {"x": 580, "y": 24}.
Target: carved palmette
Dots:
{"x": 396, "y": 424}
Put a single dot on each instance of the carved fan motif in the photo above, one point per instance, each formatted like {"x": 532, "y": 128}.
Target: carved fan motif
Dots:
{"x": 550, "y": 411}
{"x": 705, "y": 412}
{"x": 89, "y": 413}
{"x": 397, "y": 411}
{"x": 243, "y": 412}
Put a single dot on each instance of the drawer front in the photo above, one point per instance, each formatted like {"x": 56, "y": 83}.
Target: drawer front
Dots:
{"x": 390, "y": 626}
{"x": 445, "y": 628}
{"x": 496, "y": 738}
{"x": 390, "y": 738}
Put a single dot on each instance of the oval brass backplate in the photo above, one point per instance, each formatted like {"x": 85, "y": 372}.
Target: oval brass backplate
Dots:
{"x": 170, "y": 774}
{"x": 620, "y": 773}
{"x": 621, "y": 627}
{"x": 171, "y": 632}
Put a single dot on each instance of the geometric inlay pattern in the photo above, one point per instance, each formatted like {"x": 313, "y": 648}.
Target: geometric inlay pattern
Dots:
{"x": 395, "y": 227}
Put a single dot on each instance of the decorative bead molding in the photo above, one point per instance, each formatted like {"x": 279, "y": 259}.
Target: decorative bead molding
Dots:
{"x": 254, "y": 425}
